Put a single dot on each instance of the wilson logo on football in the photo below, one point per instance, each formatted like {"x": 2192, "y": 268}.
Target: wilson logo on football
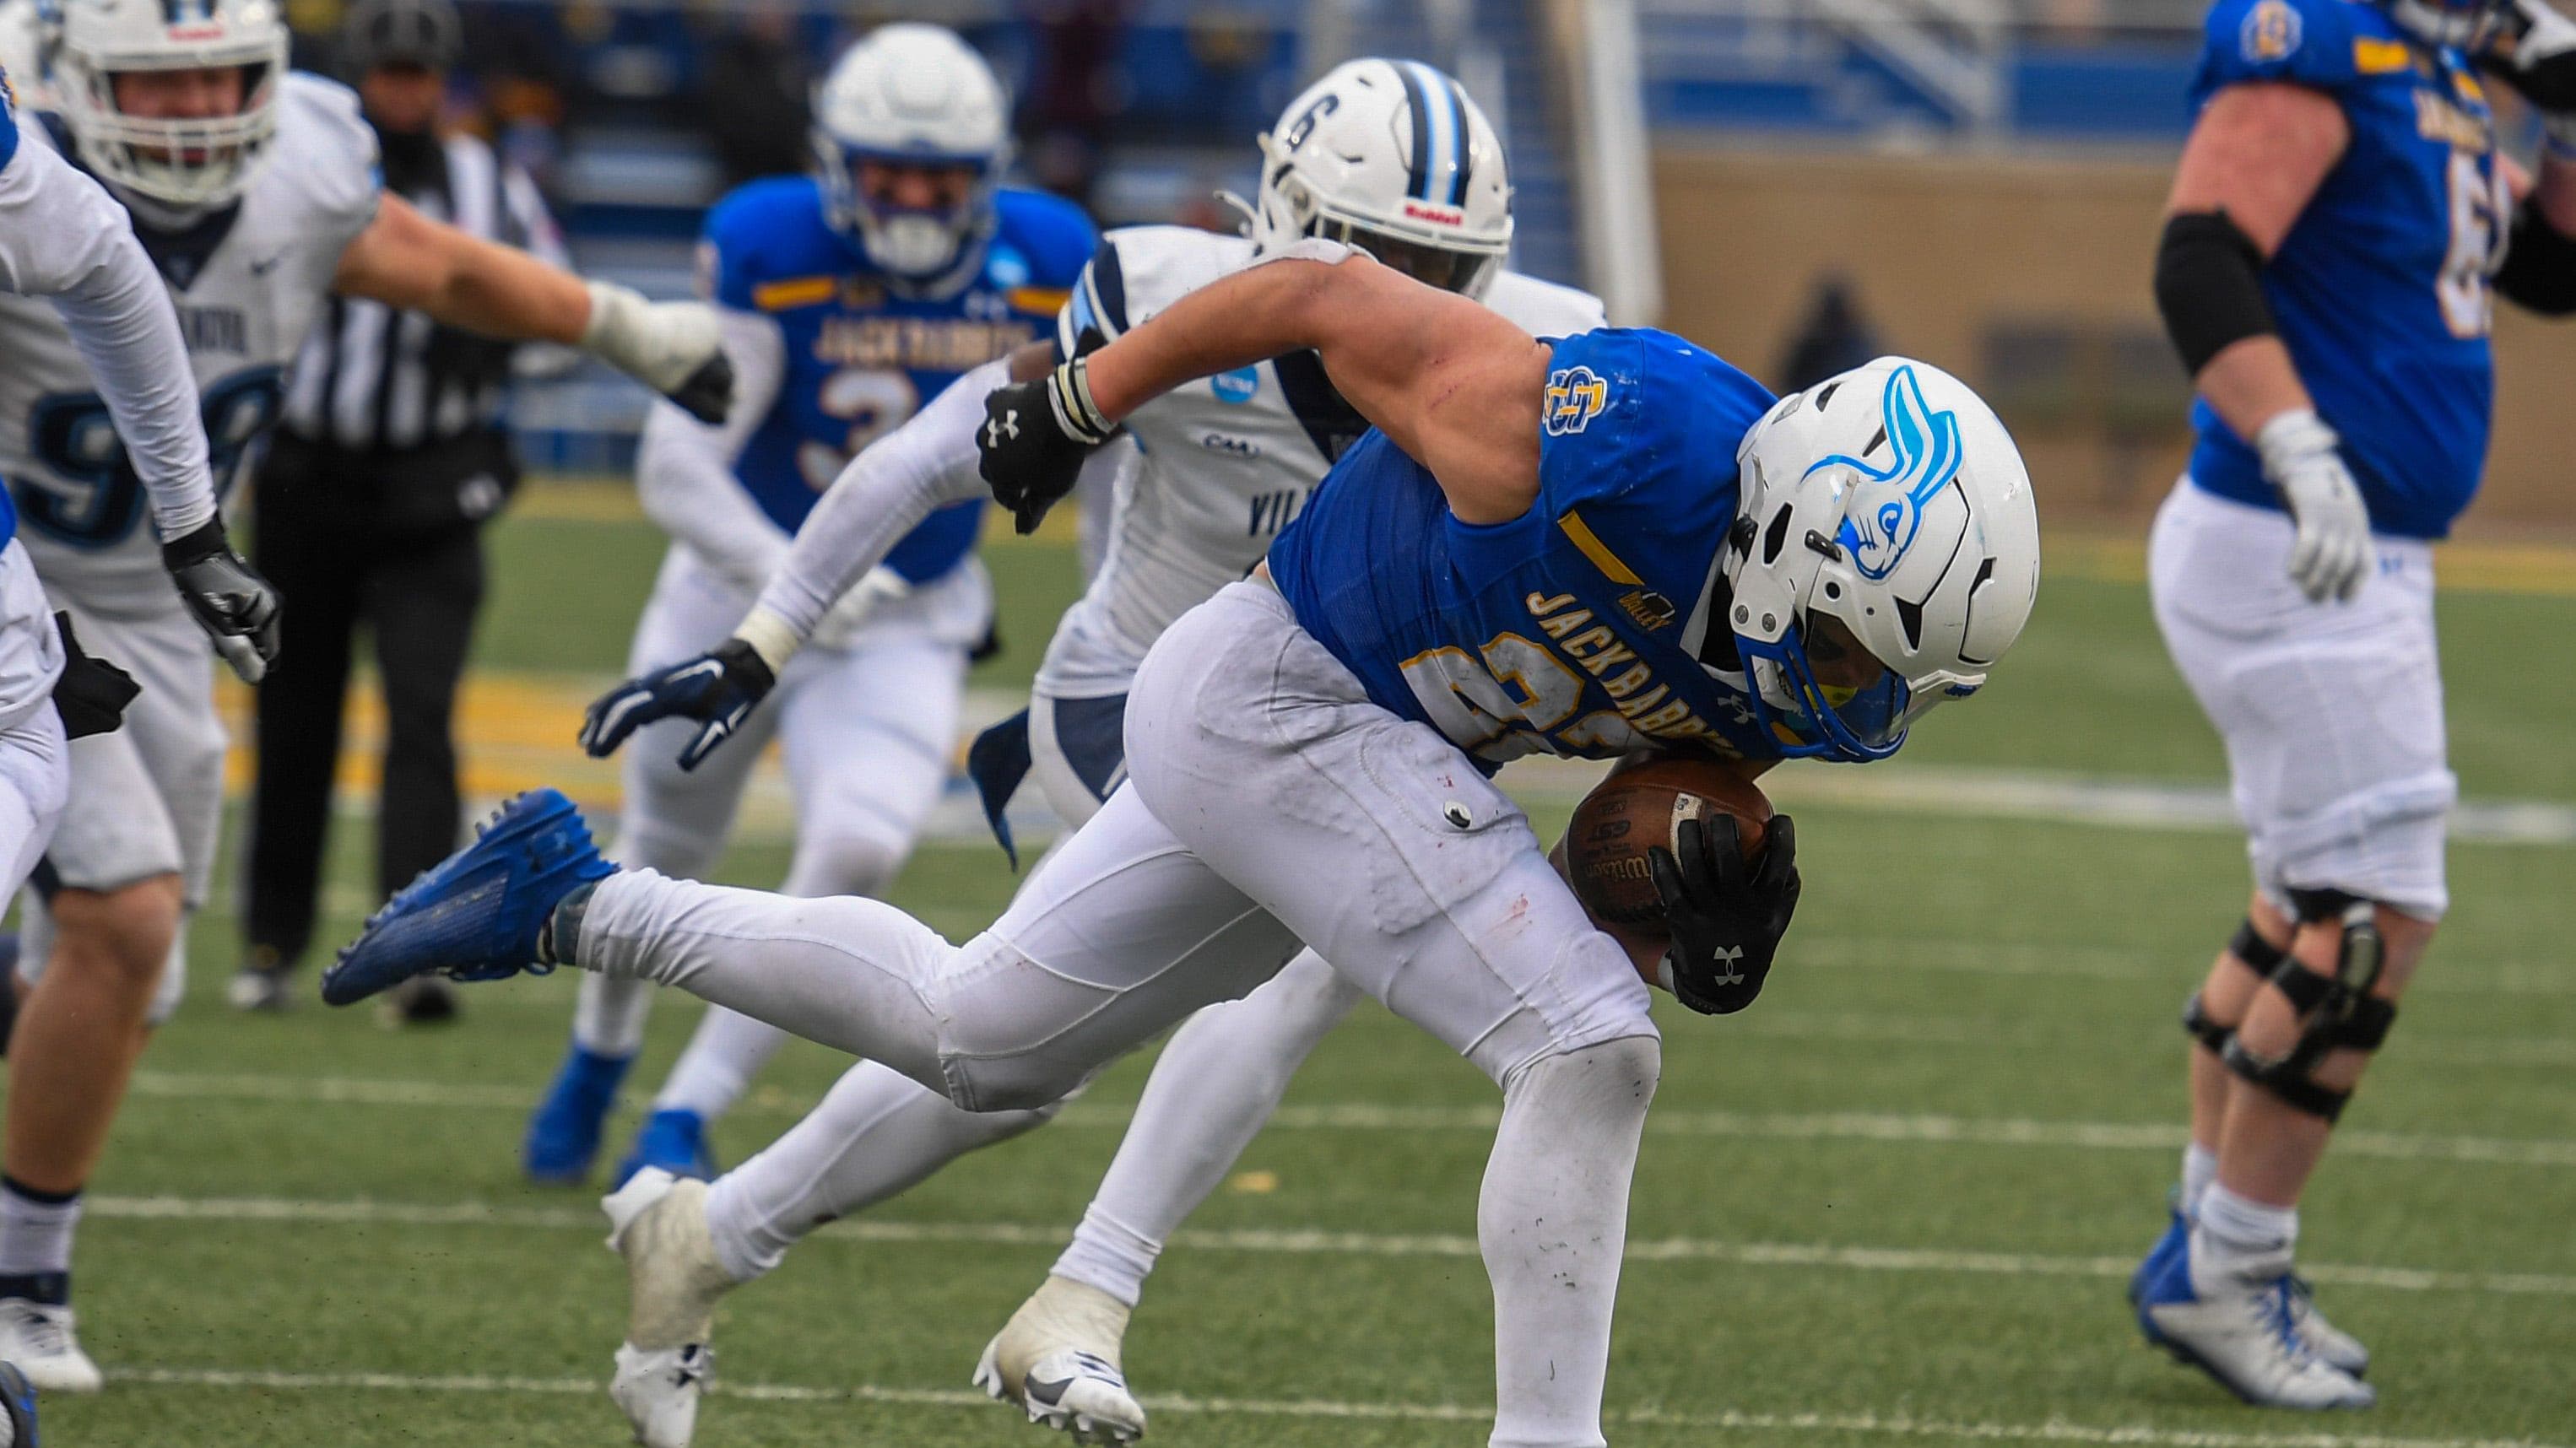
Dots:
{"x": 1575, "y": 396}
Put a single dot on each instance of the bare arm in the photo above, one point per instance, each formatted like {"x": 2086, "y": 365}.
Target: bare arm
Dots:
{"x": 408, "y": 261}
{"x": 2258, "y": 152}
{"x": 1452, "y": 384}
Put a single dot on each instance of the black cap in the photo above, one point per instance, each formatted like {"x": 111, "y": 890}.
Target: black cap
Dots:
{"x": 400, "y": 32}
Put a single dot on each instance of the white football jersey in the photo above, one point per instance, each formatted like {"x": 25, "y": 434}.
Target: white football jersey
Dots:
{"x": 246, "y": 290}
{"x": 1226, "y": 461}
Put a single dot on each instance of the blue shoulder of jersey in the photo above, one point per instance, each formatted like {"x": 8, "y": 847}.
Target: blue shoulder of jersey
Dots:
{"x": 767, "y": 231}
{"x": 2327, "y": 45}
{"x": 1637, "y": 412}
{"x": 1050, "y": 237}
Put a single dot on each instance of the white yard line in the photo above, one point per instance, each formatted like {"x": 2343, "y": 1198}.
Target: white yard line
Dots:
{"x": 1727, "y": 1420}
{"x": 1368, "y": 1116}
{"x": 1300, "y": 1243}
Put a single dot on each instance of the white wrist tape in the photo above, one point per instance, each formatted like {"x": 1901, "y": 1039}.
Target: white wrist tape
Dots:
{"x": 771, "y": 637}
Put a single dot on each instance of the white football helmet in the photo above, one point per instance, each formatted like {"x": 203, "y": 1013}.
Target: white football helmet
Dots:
{"x": 186, "y": 165}
{"x": 1885, "y": 553}
{"x": 917, "y": 94}
{"x": 1392, "y": 157}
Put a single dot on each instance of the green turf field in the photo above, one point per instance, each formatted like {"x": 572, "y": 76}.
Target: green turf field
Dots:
{"x": 1894, "y": 1203}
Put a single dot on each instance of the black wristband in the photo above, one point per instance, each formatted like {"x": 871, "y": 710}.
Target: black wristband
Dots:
{"x": 196, "y": 545}
{"x": 2539, "y": 267}
{"x": 2209, "y": 286}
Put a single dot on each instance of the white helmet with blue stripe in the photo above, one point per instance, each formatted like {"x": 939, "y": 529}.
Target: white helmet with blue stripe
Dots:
{"x": 186, "y": 164}
{"x": 1392, "y": 157}
{"x": 912, "y": 95}
{"x": 1885, "y": 553}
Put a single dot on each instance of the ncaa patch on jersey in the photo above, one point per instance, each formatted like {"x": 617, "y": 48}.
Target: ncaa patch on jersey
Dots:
{"x": 1237, "y": 386}
{"x": 1575, "y": 396}
{"x": 2272, "y": 31}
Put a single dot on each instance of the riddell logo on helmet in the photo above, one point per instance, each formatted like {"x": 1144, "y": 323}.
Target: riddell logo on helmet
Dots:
{"x": 214, "y": 31}
{"x": 1419, "y": 212}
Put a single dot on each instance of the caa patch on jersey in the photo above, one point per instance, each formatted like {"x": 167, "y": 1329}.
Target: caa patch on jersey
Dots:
{"x": 2272, "y": 31}
{"x": 1575, "y": 396}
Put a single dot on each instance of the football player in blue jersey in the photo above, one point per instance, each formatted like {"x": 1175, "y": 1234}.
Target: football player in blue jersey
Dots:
{"x": 849, "y": 297}
{"x": 2337, "y": 230}
{"x": 1609, "y": 544}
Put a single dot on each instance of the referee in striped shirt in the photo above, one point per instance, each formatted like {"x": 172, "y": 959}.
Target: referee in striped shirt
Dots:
{"x": 370, "y": 507}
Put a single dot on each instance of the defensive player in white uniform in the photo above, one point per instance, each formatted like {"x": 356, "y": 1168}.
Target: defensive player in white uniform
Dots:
{"x": 1226, "y": 463}
{"x": 255, "y": 191}
{"x": 847, "y": 296}
{"x": 62, "y": 238}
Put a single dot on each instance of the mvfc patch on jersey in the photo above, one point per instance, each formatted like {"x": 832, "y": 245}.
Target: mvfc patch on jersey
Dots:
{"x": 1575, "y": 396}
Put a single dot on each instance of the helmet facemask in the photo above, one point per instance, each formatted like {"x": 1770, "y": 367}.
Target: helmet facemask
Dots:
{"x": 916, "y": 243}
{"x": 2467, "y": 24}
{"x": 188, "y": 164}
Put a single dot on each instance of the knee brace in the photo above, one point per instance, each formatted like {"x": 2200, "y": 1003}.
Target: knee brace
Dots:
{"x": 2335, "y": 1012}
{"x": 2249, "y": 946}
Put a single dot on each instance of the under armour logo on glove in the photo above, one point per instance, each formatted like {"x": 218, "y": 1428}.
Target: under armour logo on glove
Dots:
{"x": 1725, "y": 913}
{"x": 1030, "y": 468}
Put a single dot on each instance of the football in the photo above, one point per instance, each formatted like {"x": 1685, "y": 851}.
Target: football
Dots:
{"x": 1634, "y": 809}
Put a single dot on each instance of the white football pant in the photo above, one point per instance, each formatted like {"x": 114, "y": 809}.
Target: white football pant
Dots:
{"x": 2331, "y": 712}
{"x": 1269, "y": 804}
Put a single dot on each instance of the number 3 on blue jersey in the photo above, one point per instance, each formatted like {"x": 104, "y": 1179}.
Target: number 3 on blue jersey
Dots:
{"x": 2481, "y": 198}
{"x": 874, "y": 401}
{"x": 73, "y": 435}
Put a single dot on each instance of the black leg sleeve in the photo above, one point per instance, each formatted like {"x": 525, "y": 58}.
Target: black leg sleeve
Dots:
{"x": 422, "y": 604}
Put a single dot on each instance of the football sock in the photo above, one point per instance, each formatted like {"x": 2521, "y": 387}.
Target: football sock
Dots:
{"x": 1212, "y": 1088}
{"x": 875, "y": 1135}
{"x": 608, "y": 1016}
{"x": 2199, "y": 1169}
{"x": 2239, "y": 1237}
{"x": 1553, "y": 1220}
{"x": 726, "y": 1052}
{"x": 35, "y": 1234}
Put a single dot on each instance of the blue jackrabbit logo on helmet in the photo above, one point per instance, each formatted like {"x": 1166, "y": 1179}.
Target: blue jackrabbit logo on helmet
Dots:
{"x": 1882, "y": 522}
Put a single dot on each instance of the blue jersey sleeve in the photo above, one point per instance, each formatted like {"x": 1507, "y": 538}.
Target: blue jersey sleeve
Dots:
{"x": 1098, "y": 304}
{"x": 1639, "y": 415}
{"x": 2312, "y": 43}
{"x": 8, "y": 121}
{"x": 1055, "y": 236}
{"x": 732, "y": 260}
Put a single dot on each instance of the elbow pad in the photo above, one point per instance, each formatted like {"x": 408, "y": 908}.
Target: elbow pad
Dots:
{"x": 2209, "y": 286}
{"x": 2539, "y": 267}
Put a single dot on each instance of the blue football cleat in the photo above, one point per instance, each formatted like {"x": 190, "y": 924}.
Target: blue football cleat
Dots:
{"x": 17, "y": 1408}
{"x": 478, "y": 914}
{"x": 2174, "y": 1243}
{"x": 563, "y": 1136}
{"x": 675, "y": 1141}
{"x": 2244, "y": 1332}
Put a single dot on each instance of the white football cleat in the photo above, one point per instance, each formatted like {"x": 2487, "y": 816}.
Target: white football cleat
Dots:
{"x": 2323, "y": 1338}
{"x": 658, "y": 1223}
{"x": 1058, "y": 1358}
{"x": 38, "y": 1337}
{"x": 2243, "y": 1332}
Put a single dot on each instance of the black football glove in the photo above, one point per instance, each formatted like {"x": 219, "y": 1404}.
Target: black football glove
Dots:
{"x": 718, "y": 688}
{"x": 91, "y": 694}
{"x": 232, "y": 603}
{"x": 1725, "y": 916}
{"x": 1036, "y": 437}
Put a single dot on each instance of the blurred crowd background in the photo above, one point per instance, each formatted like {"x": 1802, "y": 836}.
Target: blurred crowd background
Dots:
{"x": 1793, "y": 182}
